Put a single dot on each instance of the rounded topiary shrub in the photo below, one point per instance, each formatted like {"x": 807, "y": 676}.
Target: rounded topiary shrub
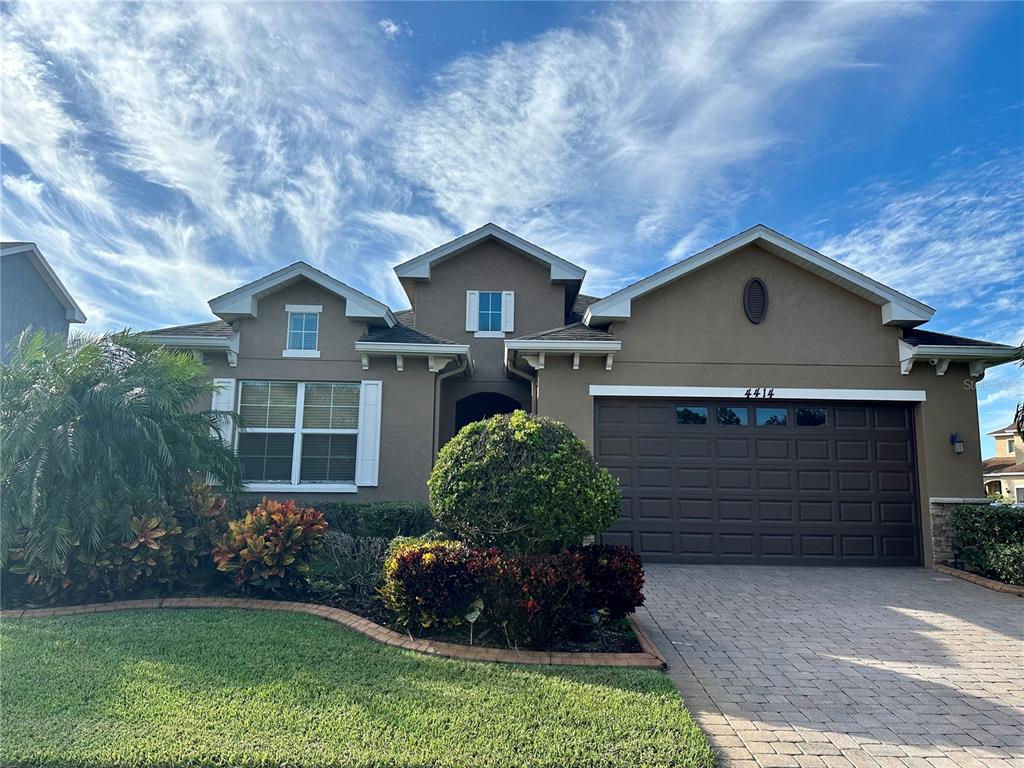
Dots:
{"x": 522, "y": 483}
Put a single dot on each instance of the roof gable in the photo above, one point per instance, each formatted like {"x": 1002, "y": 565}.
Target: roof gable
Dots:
{"x": 896, "y": 308}
{"x": 244, "y": 301}
{"x": 419, "y": 267}
{"x": 73, "y": 312}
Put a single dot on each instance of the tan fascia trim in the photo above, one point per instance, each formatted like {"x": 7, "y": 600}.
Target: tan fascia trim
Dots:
{"x": 226, "y": 344}
{"x": 939, "y": 356}
{"x": 1002, "y": 474}
{"x": 896, "y": 308}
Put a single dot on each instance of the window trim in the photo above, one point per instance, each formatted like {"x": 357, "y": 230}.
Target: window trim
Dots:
{"x": 301, "y": 309}
{"x": 294, "y": 485}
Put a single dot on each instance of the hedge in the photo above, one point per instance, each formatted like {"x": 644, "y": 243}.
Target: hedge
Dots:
{"x": 989, "y": 538}
{"x": 381, "y": 519}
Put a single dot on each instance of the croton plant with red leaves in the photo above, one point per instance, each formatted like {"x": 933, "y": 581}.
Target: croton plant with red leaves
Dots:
{"x": 272, "y": 545}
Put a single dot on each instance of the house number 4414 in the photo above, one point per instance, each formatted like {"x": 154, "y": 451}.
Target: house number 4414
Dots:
{"x": 760, "y": 392}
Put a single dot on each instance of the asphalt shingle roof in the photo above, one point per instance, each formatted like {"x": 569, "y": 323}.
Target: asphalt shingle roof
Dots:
{"x": 571, "y": 332}
{"x": 918, "y": 336}
{"x": 211, "y": 329}
{"x": 579, "y": 307}
{"x": 402, "y": 334}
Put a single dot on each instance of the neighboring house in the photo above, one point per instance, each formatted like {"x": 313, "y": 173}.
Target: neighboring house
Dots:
{"x": 1004, "y": 473}
{"x": 759, "y": 402}
{"x": 31, "y": 295}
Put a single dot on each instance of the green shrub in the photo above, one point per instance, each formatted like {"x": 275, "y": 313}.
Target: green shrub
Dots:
{"x": 380, "y": 519}
{"x": 1006, "y": 562}
{"x": 615, "y": 579}
{"x": 988, "y": 538}
{"x": 429, "y": 583}
{"x": 272, "y": 545}
{"x": 521, "y": 483}
{"x": 349, "y": 564}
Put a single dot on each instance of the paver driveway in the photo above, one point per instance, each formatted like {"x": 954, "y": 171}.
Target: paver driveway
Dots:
{"x": 840, "y": 667}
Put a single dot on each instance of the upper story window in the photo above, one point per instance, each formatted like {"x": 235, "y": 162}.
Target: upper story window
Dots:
{"x": 490, "y": 313}
{"x": 1009, "y": 446}
{"x": 303, "y": 330}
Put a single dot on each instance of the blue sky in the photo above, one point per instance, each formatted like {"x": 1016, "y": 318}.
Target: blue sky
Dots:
{"x": 163, "y": 154}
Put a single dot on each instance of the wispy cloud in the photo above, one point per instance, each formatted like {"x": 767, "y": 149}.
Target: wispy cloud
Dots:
{"x": 956, "y": 242}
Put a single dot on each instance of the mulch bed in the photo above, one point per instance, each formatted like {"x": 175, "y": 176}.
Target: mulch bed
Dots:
{"x": 610, "y": 637}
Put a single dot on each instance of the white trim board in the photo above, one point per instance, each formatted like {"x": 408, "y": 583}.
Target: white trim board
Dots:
{"x": 896, "y": 308}
{"x": 625, "y": 390}
{"x": 419, "y": 267}
{"x": 301, "y": 488}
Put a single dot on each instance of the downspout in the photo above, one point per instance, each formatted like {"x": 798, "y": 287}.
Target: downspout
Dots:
{"x": 437, "y": 396}
{"x": 529, "y": 378}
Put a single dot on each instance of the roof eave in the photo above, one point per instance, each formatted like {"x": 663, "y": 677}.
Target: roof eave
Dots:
{"x": 398, "y": 348}
{"x": 539, "y": 345}
{"x": 418, "y": 268}
{"x": 243, "y": 301}
{"x": 896, "y": 308}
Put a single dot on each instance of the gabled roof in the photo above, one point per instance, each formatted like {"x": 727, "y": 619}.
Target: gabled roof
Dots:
{"x": 242, "y": 302}
{"x": 73, "y": 313}
{"x": 419, "y": 267}
{"x": 897, "y": 309}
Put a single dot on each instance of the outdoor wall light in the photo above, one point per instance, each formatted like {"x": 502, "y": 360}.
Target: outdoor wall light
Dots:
{"x": 957, "y": 442}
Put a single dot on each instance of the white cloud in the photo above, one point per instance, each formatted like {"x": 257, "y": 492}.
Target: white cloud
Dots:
{"x": 956, "y": 242}
{"x": 646, "y": 116}
{"x": 392, "y": 29}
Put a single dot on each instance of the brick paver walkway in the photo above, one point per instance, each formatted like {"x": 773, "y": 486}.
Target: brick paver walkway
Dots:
{"x": 832, "y": 668}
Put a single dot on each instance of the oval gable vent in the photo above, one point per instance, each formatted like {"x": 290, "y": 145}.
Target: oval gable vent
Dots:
{"x": 755, "y": 300}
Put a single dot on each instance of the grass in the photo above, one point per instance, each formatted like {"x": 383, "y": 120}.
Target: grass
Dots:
{"x": 226, "y": 688}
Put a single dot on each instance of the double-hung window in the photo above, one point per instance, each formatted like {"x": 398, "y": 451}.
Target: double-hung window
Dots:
{"x": 296, "y": 433}
{"x": 303, "y": 330}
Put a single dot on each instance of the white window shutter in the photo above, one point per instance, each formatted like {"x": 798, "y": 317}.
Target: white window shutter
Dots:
{"x": 368, "y": 441}
{"x": 224, "y": 400}
{"x": 508, "y": 311}
{"x": 472, "y": 311}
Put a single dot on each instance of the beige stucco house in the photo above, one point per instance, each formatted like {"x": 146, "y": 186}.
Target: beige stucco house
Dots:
{"x": 758, "y": 401}
{"x": 1004, "y": 473}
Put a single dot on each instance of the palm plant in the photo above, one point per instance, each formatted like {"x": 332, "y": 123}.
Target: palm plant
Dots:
{"x": 1018, "y": 417}
{"x": 95, "y": 431}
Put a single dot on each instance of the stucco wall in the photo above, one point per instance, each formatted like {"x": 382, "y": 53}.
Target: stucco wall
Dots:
{"x": 407, "y": 396}
{"x": 26, "y": 300}
{"x": 815, "y": 335}
{"x": 440, "y": 304}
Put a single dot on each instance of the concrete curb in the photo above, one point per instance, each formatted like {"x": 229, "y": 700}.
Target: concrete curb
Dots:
{"x": 650, "y": 658}
{"x": 981, "y": 581}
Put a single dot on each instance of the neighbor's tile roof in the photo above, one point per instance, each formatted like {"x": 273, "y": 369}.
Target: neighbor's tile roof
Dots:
{"x": 1011, "y": 427}
{"x": 402, "y": 334}
{"x": 571, "y": 332}
{"x": 997, "y": 463}
{"x": 213, "y": 328}
{"x": 918, "y": 336}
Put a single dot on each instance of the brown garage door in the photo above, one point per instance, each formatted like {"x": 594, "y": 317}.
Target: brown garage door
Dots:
{"x": 741, "y": 481}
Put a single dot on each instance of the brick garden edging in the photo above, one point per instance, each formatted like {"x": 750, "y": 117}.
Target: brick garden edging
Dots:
{"x": 649, "y": 658}
{"x": 981, "y": 581}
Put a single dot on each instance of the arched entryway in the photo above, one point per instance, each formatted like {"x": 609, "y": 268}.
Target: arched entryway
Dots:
{"x": 482, "y": 405}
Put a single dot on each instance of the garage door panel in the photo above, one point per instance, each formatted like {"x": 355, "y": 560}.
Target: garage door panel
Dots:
{"x": 782, "y": 482}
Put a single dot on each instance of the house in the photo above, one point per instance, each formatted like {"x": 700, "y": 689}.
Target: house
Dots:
{"x": 1003, "y": 474}
{"x": 758, "y": 401}
{"x": 31, "y": 296}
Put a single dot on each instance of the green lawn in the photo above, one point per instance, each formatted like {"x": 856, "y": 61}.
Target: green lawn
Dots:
{"x": 223, "y": 687}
